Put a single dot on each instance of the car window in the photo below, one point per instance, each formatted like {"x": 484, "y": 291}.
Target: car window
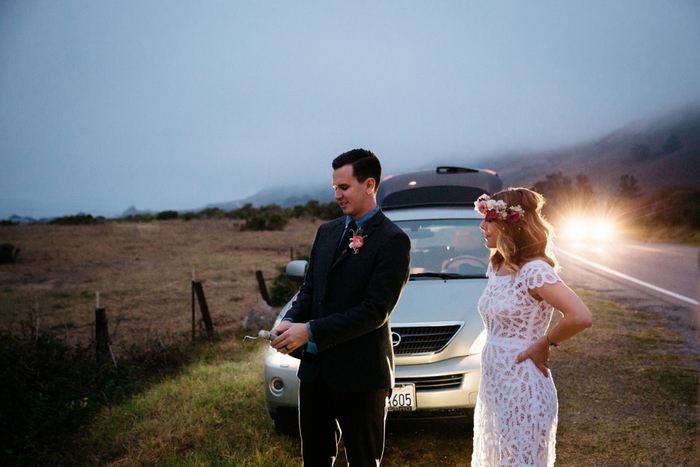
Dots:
{"x": 446, "y": 247}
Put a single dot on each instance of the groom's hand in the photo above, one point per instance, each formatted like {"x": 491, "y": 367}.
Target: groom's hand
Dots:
{"x": 289, "y": 336}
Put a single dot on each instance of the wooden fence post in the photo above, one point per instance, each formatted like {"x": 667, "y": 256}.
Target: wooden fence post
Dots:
{"x": 101, "y": 334}
{"x": 193, "y": 293}
{"x": 262, "y": 286}
{"x": 206, "y": 317}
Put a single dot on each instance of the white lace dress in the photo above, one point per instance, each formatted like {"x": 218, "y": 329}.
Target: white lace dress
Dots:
{"x": 515, "y": 419}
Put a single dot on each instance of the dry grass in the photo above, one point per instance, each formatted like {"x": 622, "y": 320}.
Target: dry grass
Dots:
{"x": 627, "y": 394}
{"x": 143, "y": 273}
{"x": 625, "y": 400}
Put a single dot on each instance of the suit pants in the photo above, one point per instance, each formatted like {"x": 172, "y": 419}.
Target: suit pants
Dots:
{"x": 325, "y": 415}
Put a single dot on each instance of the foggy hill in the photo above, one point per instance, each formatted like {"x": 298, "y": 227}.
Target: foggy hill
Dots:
{"x": 283, "y": 196}
{"x": 658, "y": 152}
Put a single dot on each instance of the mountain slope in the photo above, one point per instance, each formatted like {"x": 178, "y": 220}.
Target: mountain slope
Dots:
{"x": 658, "y": 153}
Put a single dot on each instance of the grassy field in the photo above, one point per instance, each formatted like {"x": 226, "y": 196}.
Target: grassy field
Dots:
{"x": 627, "y": 395}
{"x": 624, "y": 401}
{"x": 143, "y": 273}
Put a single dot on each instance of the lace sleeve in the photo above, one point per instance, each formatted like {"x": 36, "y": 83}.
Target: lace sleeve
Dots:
{"x": 537, "y": 273}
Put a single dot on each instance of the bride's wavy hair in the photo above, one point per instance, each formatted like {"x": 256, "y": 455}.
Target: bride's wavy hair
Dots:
{"x": 526, "y": 239}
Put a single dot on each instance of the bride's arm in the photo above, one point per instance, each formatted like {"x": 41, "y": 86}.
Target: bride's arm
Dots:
{"x": 576, "y": 318}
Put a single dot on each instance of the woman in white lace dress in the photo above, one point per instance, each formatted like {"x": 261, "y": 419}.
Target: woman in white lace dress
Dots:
{"x": 515, "y": 419}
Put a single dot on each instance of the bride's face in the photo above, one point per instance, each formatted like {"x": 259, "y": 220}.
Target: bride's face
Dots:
{"x": 491, "y": 232}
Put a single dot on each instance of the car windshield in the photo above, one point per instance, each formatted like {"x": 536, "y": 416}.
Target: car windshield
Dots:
{"x": 446, "y": 248}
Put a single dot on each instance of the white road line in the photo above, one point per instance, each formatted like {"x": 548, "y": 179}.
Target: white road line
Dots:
{"x": 626, "y": 277}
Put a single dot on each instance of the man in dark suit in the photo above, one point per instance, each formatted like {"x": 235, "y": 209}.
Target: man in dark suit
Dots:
{"x": 358, "y": 268}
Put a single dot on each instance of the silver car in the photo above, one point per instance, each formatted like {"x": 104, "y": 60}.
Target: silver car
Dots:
{"x": 437, "y": 332}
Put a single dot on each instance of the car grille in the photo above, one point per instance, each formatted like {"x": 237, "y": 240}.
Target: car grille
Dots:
{"x": 434, "y": 382}
{"x": 422, "y": 340}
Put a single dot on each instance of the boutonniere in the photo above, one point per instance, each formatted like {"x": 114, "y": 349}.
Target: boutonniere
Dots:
{"x": 356, "y": 241}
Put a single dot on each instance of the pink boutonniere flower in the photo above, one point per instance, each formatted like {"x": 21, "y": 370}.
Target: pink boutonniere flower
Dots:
{"x": 357, "y": 241}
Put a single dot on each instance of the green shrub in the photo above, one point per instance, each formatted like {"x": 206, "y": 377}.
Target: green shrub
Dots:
{"x": 145, "y": 218}
{"x": 213, "y": 213}
{"x": 49, "y": 389}
{"x": 283, "y": 288}
{"x": 78, "y": 219}
{"x": 256, "y": 222}
{"x": 167, "y": 215}
{"x": 675, "y": 205}
{"x": 8, "y": 253}
{"x": 271, "y": 217}
{"x": 316, "y": 210}
{"x": 276, "y": 221}
{"x": 188, "y": 216}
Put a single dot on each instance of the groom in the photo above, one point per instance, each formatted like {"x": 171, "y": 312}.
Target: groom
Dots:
{"x": 340, "y": 320}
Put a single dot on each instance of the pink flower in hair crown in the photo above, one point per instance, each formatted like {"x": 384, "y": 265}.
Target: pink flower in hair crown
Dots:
{"x": 357, "y": 241}
{"x": 497, "y": 209}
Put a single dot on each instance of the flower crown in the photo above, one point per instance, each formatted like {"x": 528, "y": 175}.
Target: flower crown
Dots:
{"x": 497, "y": 209}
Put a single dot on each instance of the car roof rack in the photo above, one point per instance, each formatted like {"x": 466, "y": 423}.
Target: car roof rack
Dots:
{"x": 446, "y": 169}
{"x": 443, "y": 186}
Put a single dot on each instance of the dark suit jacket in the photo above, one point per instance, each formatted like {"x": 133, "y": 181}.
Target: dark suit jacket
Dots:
{"x": 348, "y": 302}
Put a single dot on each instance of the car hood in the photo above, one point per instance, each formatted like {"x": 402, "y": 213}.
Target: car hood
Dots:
{"x": 437, "y": 302}
{"x": 445, "y": 300}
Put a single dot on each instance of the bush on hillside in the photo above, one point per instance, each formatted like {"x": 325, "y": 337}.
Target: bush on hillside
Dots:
{"x": 671, "y": 205}
{"x": 675, "y": 205}
{"x": 145, "y": 218}
{"x": 167, "y": 215}
{"x": 213, "y": 213}
{"x": 271, "y": 217}
{"x": 78, "y": 219}
{"x": 8, "y": 253}
{"x": 317, "y": 210}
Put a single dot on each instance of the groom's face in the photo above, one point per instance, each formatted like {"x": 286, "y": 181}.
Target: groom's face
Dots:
{"x": 354, "y": 198}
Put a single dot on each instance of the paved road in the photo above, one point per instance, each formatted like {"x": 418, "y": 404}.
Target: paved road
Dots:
{"x": 655, "y": 278}
{"x": 673, "y": 268}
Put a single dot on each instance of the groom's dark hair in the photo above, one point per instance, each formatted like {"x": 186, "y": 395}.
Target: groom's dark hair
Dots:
{"x": 365, "y": 164}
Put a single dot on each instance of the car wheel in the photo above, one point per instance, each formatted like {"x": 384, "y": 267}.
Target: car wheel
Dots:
{"x": 286, "y": 423}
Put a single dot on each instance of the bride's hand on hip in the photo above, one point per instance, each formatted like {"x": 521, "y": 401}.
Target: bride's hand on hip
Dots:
{"x": 539, "y": 354}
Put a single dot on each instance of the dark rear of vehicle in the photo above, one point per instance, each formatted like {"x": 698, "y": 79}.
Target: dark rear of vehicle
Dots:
{"x": 444, "y": 186}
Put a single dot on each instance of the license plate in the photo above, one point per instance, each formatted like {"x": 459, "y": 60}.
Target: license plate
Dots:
{"x": 403, "y": 397}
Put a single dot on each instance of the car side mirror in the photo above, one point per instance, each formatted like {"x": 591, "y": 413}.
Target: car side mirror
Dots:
{"x": 296, "y": 270}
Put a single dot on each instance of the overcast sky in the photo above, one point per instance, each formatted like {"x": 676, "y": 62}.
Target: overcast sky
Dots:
{"x": 175, "y": 104}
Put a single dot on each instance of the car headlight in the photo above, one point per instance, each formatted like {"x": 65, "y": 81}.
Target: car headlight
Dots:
{"x": 601, "y": 230}
{"x": 586, "y": 228}
{"x": 478, "y": 344}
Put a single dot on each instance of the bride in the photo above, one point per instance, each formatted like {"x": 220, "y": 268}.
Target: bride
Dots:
{"x": 515, "y": 419}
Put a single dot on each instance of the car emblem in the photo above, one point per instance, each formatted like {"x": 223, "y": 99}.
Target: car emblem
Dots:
{"x": 395, "y": 339}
